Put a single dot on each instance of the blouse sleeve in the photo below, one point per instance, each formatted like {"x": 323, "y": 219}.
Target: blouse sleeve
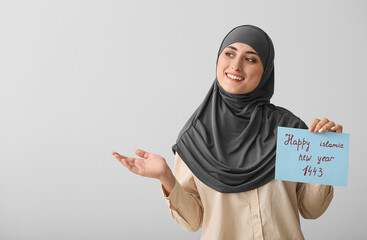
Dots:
{"x": 184, "y": 200}
{"x": 313, "y": 199}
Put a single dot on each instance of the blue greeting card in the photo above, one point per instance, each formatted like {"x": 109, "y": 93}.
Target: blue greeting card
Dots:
{"x": 304, "y": 156}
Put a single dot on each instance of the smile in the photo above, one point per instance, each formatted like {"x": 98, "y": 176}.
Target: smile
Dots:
{"x": 234, "y": 77}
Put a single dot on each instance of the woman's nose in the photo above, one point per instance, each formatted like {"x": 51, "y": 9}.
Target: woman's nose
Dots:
{"x": 236, "y": 66}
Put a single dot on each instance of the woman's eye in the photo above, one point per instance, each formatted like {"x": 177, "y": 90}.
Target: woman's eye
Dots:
{"x": 228, "y": 54}
{"x": 250, "y": 59}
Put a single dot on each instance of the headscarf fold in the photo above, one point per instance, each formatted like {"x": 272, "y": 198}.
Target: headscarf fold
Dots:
{"x": 229, "y": 142}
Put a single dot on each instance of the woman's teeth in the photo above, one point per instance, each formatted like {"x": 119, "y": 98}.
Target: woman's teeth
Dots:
{"x": 234, "y": 77}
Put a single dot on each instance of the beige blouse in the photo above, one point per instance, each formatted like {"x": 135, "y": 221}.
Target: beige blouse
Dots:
{"x": 268, "y": 212}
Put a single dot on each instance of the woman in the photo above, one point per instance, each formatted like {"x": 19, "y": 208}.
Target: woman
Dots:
{"x": 223, "y": 177}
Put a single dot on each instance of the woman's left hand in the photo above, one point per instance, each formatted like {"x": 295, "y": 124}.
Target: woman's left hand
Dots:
{"x": 324, "y": 125}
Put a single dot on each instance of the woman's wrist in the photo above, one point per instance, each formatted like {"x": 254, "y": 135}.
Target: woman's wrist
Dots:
{"x": 168, "y": 180}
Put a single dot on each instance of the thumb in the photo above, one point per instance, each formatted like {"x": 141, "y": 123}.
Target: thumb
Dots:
{"x": 141, "y": 153}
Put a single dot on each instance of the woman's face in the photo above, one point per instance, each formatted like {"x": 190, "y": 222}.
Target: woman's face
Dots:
{"x": 239, "y": 68}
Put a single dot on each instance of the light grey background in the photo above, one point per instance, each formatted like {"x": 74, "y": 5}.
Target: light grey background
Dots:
{"x": 80, "y": 79}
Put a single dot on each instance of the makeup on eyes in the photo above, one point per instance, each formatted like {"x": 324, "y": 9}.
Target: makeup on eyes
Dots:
{"x": 253, "y": 60}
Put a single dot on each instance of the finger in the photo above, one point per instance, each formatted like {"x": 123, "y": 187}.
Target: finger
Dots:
{"x": 118, "y": 156}
{"x": 313, "y": 124}
{"x": 320, "y": 125}
{"x": 141, "y": 153}
{"x": 337, "y": 128}
{"x": 125, "y": 163}
{"x": 327, "y": 127}
{"x": 129, "y": 163}
{"x": 123, "y": 159}
{"x": 132, "y": 164}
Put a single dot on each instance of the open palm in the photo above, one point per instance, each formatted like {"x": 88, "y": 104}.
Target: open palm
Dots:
{"x": 149, "y": 165}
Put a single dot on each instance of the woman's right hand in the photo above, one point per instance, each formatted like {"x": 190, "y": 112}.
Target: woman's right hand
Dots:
{"x": 150, "y": 165}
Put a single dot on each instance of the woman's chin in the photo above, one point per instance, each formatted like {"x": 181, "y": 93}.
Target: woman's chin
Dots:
{"x": 233, "y": 89}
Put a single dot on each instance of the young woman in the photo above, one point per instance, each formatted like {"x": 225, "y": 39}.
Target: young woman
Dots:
{"x": 223, "y": 177}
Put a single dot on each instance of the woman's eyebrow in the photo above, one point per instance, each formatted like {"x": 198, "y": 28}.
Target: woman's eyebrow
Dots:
{"x": 250, "y": 52}
{"x": 232, "y": 48}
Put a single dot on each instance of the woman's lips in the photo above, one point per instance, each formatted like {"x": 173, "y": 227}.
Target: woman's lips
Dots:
{"x": 234, "y": 77}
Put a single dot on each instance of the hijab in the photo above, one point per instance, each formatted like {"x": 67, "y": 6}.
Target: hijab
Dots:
{"x": 229, "y": 142}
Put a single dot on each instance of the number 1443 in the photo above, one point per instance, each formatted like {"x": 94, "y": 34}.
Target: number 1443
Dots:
{"x": 309, "y": 171}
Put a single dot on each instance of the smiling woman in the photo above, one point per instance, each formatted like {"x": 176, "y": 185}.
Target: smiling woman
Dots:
{"x": 239, "y": 68}
{"x": 223, "y": 177}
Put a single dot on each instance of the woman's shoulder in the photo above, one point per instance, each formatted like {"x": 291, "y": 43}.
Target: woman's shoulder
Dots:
{"x": 286, "y": 117}
{"x": 281, "y": 110}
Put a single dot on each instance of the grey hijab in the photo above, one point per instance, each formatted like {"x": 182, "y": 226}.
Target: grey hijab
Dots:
{"x": 229, "y": 142}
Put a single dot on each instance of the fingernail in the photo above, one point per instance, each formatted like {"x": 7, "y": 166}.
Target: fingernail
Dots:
{"x": 333, "y": 128}
{"x": 320, "y": 131}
